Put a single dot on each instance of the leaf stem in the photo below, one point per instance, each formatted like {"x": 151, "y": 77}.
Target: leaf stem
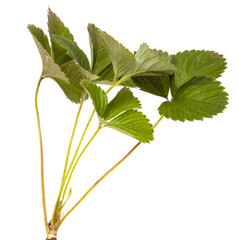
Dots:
{"x": 41, "y": 154}
{"x": 107, "y": 173}
{"x": 78, "y": 147}
{"x": 67, "y": 158}
{"x": 82, "y": 152}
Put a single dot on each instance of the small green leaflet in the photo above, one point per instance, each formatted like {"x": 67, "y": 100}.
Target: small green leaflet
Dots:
{"x": 56, "y": 26}
{"x": 120, "y": 112}
{"x": 50, "y": 68}
{"x": 123, "y": 101}
{"x": 196, "y": 63}
{"x": 73, "y": 50}
{"x": 98, "y": 97}
{"x": 198, "y": 98}
{"x": 134, "y": 124}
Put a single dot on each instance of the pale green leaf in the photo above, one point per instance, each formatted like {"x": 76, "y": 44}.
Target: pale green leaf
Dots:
{"x": 198, "y": 98}
{"x": 98, "y": 97}
{"x": 122, "y": 59}
{"x": 123, "y": 101}
{"x": 149, "y": 61}
{"x": 133, "y": 123}
{"x": 56, "y": 26}
{"x": 73, "y": 50}
{"x": 196, "y": 63}
{"x": 50, "y": 68}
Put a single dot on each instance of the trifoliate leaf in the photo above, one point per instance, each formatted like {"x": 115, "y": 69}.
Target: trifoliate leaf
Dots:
{"x": 100, "y": 59}
{"x": 133, "y": 123}
{"x": 98, "y": 97}
{"x": 149, "y": 61}
{"x": 123, "y": 101}
{"x": 198, "y": 98}
{"x": 157, "y": 85}
{"x": 122, "y": 59}
{"x": 196, "y": 63}
{"x": 50, "y": 68}
{"x": 73, "y": 50}
{"x": 56, "y": 26}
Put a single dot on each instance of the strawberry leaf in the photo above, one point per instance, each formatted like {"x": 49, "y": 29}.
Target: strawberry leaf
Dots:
{"x": 73, "y": 50}
{"x": 196, "y": 63}
{"x": 123, "y": 101}
{"x": 133, "y": 123}
{"x": 49, "y": 67}
{"x": 98, "y": 97}
{"x": 56, "y": 26}
{"x": 122, "y": 59}
{"x": 198, "y": 98}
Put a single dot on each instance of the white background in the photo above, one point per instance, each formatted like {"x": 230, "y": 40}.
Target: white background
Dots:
{"x": 184, "y": 185}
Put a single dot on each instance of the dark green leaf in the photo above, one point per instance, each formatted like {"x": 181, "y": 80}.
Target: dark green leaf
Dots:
{"x": 41, "y": 37}
{"x": 198, "y": 98}
{"x": 196, "y": 63}
{"x": 123, "y": 101}
{"x": 98, "y": 97}
{"x": 100, "y": 59}
{"x": 75, "y": 74}
{"x": 133, "y": 123}
{"x": 157, "y": 85}
{"x": 56, "y": 26}
{"x": 73, "y": 50}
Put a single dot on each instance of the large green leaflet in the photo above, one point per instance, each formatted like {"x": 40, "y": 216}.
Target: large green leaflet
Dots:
{"x": 122, "y": 59}
{"x": 120, "y": 113}
{"x": 196, "y": 63}
{"x": 198, "y": 98}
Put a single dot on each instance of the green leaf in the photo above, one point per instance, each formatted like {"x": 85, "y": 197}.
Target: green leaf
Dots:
{"x": 98, "y": 97}
{"x": 149, "y": 61}
{"x": 100, "y": 59}
{"x": 123, "y": 101}
{"x": 157, "y": 85}
{"x": 56, "y": 26}
{"x": 196, "y": 63}
{"x": 75, "y": 74}
{"x": 133, "y": 123}
{"x": 73, "y": 50}
{"x": 198, "y": 98}
{"x": 122, "y": 59}
{"x": 50, "y": 68}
